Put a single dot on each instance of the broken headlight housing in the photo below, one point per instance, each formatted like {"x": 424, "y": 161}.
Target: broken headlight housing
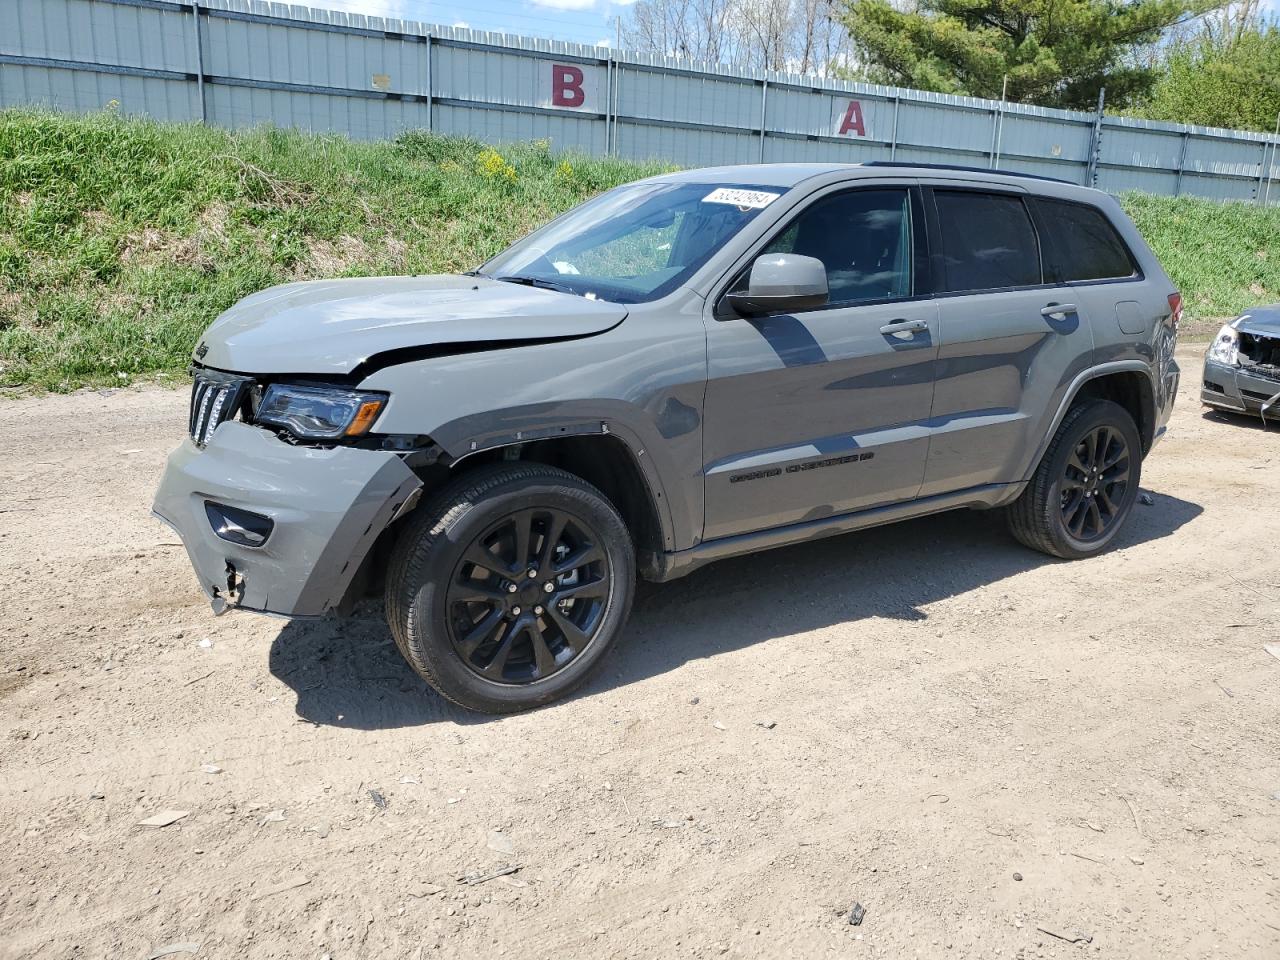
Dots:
{"x": 319, "y": 413}
{"x": 1226, "y": 346}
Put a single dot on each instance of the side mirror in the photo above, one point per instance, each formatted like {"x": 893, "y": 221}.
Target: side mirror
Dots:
{"x": 782, "y": 282}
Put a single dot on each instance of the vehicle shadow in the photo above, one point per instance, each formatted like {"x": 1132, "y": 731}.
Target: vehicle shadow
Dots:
{"x": 1248, "y": 421}
{"x": 348, "y": 673}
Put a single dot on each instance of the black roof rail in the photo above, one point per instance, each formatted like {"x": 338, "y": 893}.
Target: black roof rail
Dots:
{"x": 962, "y": 169}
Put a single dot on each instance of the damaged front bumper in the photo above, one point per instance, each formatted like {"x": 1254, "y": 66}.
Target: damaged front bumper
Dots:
{"x": 1240, "y": 390}
{"x": 315, "y": 515}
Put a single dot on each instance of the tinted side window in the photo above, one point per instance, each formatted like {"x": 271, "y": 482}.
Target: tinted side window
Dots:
{"x": 988, "y": 241}
{"x": 1081, "y": 243}
{"x": 864, "y": 240}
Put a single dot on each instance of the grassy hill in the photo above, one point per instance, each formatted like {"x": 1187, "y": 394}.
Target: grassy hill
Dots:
{"x": 121, "y": 239}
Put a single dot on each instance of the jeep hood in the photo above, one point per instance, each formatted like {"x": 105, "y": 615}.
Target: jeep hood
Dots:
{"x": 334, "y": 326}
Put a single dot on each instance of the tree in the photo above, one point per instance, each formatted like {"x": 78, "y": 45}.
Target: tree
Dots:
{"x": 1053, "y": 52}
{"x": 1225, "y": 75}
{"x": 691, "y": 29}
{"x": 1227, "y": 26}
{"x": 796, "y": 36}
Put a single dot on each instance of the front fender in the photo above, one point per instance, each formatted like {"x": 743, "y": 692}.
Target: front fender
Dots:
{"x": 642, "y": 381}
{"x": 495, "y": 429}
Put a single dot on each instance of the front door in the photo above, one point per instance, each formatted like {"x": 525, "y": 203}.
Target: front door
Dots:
{"x": 823, "y": 412}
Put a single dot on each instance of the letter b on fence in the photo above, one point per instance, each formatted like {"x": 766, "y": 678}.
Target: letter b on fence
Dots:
{"x": 566, "y": 86}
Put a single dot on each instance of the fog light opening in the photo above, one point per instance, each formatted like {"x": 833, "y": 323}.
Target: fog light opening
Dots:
{"x": 238, "y": 526}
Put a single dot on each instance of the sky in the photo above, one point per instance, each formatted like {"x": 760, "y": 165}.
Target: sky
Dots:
{"x": 579, "y": 21}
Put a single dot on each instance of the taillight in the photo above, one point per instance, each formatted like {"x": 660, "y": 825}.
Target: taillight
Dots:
{"x": 1175, "y": 309}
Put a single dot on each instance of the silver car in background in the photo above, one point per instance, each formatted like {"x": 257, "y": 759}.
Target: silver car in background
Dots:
{"x": 1242, "y": 365}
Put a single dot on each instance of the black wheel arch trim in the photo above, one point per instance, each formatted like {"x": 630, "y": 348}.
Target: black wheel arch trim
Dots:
{"x": 494, "y": 430}
{"x": 1073, "y": 392}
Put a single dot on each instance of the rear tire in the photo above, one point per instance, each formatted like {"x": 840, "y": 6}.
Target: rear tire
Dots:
{"x": 1085, "y": 486}
{"x": 508, "y": 588}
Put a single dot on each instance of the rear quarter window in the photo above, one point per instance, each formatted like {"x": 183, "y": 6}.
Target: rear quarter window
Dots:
{"x": 988, "y": 241}
{"x": 1081, "y": 244}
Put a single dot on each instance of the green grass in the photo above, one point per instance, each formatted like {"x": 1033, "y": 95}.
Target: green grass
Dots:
{"x": 120, "y": 240}
{"x": 1224, "y": 257}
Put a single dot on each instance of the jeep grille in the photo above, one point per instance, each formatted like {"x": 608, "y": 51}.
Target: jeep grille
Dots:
{"x": 215, "y": 398}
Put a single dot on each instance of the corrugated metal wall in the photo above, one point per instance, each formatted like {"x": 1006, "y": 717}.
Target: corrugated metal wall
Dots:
{"x": 239, "y": 63}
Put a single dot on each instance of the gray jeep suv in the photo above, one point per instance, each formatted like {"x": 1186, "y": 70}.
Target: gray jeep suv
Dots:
{"x": 686, "y": 368}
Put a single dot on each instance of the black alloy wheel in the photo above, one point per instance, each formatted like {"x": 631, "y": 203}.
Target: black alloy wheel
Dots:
{"x": 528, "y": 596}
{"x": 509, "y": 586}
{"x": 1085, "y": 485}
{"x": 1095, "y": 483}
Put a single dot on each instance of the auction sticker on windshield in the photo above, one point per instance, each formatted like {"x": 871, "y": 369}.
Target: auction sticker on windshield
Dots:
{"x": 741, "y": 198}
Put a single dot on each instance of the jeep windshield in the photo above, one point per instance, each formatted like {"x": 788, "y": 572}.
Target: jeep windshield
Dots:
{"x": 633, "y": 244}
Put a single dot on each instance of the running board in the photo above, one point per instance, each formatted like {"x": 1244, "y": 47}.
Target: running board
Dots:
{"x": 669, "y": 566}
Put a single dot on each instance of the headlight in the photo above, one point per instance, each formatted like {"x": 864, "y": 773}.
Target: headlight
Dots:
{"x": 319, "y": 413}
{"x": 1226, "y": 346}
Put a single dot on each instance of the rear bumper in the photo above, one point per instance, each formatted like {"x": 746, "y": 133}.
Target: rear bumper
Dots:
{"x": 1231, "y": 388}
{"x": 327, "y": 508}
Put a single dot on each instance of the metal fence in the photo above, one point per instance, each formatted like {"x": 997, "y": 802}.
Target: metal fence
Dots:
{"x": 240, "y": 63}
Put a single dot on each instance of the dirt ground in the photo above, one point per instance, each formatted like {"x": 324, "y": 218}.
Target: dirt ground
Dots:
{"x": 994, "y": 753}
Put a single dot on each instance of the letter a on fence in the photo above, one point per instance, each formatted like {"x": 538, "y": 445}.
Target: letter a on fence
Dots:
{"x": 849, "y": 121}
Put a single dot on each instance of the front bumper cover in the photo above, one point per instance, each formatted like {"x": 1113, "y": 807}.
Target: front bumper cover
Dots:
{"x": 1239, "y": 390}
{"x": 328, "y": 507}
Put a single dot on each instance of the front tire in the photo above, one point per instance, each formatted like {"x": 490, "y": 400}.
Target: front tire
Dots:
{"x": 507, "y": 589}
{"x": 1085, "y": 486}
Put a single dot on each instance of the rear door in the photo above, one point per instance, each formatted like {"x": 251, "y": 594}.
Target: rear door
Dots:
{"x": 825, "y": 411}
{"x": 1085, "y": 254}
{"x": 1003, "y": 350}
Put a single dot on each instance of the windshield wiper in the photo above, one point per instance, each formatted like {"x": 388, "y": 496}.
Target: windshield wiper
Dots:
{"x": 537, "y": 282}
